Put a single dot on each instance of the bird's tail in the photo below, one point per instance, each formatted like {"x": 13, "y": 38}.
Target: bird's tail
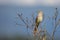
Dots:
{"x": 35, "y": 30}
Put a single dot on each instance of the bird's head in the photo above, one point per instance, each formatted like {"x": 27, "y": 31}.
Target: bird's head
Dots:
{"x": 40, "y": 13}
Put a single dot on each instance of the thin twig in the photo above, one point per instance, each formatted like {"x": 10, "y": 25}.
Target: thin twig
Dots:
{"x": 55, "y": 18}
{"x": 20, "y": 24}
{"x": 22, "y": 19}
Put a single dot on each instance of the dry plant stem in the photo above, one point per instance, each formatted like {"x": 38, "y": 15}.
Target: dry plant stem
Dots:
{"x": 20, "y": 16}
{"x": 56, "y": 14}
{"x": 20, "y": 24}
{"x": 56, "y": 24}
{"x": 33, "y": 22}
{"x": 27, "y": 26}
{"x": 23, "y": 20}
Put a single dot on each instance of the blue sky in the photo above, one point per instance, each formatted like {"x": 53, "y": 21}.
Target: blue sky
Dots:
{"x": 9, "y": 10}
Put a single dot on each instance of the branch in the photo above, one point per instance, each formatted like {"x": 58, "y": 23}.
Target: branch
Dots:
{"x": 20, "y": 15}
{"x": 20, "y": 24}
{"x": 33, "y": 22}
{"x": 56, "y": 24}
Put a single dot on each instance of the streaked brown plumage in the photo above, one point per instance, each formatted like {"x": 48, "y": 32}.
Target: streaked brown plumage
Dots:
{"x": 37, "y": 24}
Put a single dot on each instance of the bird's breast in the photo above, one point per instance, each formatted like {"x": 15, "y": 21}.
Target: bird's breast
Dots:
{"x": 40, "y": 19}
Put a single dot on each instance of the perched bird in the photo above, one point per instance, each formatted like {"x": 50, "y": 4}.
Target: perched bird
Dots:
{"x": 38, "y": 20}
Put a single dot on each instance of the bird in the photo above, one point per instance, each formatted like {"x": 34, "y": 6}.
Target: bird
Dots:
{"x": 38, "y": 20}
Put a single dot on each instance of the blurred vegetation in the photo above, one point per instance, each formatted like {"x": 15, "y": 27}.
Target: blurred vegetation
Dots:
{"x": 43, "y": 33}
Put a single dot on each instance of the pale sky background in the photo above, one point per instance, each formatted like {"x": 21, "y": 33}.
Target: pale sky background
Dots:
{"x": 32, "y": 2}
{"x": 10, "y": 8}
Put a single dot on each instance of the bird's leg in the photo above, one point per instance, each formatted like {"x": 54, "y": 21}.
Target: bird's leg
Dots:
{"x": 35, "y": 31}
